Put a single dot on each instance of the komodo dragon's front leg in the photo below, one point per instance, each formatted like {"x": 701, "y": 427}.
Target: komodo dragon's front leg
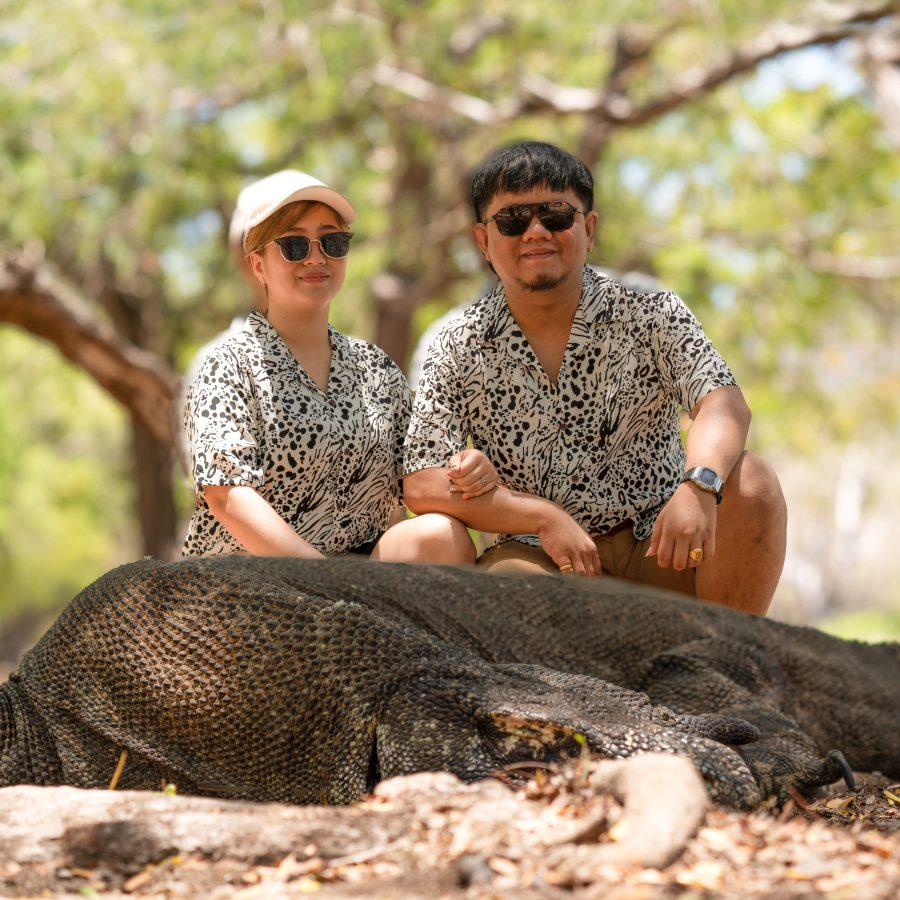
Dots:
{"x": 746, "y": 683}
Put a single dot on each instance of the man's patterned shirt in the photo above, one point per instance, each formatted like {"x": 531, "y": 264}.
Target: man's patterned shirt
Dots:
{"x": 604, "y": 442}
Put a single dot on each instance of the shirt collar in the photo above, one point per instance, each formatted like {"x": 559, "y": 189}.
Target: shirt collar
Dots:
{"x": 275, "y": 351}
{"x": 491, "y": 320}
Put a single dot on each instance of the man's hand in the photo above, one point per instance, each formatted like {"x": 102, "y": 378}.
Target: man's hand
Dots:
{"x": 471, "y": 474}
{"x": 569, "y": 545}
{"x": 499, "y": 509}
{"x": 687, "y": 522}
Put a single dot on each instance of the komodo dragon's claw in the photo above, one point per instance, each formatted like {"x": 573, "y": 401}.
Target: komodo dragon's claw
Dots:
{"x": 839, "y": 761}
{"x": 786, "y": 762}
{"x": 823, "y": 772}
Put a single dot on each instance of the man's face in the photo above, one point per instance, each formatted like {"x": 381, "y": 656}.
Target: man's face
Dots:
{"x": 539, "y": 259}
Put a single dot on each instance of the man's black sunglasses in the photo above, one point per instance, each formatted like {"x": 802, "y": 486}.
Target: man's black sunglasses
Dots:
{"x": 555, "y": 215}
{"x": 296, "y": 247}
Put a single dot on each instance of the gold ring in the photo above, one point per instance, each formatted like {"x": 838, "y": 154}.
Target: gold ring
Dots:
{"x": 696, "y": 555}
{"x": 483, "y": 482}
{"x": 567, "y": 567}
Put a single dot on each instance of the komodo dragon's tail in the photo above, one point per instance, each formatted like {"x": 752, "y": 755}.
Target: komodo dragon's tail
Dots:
{"x": 27, "y": 752}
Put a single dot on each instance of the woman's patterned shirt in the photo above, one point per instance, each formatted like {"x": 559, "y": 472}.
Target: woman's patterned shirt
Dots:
{"x": 329, "y": 463}
{"x": 604, "y": 442}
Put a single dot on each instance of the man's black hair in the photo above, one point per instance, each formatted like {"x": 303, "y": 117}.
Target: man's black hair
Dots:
{"x": 528, "y": 164}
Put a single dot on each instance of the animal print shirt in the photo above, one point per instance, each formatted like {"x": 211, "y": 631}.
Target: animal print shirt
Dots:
{"x": 329, "y": 463}
{"x": 604, "y": 442}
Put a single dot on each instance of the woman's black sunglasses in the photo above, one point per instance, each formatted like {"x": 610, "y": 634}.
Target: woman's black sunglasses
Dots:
{"x": 296, "y": 247}
{"x": 555, "y": 215}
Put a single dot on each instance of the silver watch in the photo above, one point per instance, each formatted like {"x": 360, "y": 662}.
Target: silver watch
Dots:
{"x": 706, "y": 480}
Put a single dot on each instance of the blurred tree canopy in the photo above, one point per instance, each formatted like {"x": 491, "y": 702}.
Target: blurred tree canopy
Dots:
{"x": 744, "y": 154}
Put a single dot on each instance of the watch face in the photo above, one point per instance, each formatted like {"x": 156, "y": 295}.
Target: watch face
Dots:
{"x": 707, "y": 476}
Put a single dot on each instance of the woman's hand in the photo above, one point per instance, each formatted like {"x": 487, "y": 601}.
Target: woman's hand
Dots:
{"x": 471, "y": 474}
{"x": 566, "y": 542}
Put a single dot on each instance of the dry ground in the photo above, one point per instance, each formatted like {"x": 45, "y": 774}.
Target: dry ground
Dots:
{"x": 431, "y": 836}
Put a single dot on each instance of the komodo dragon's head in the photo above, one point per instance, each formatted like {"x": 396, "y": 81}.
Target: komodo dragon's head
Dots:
{"x": 522, "y": 713}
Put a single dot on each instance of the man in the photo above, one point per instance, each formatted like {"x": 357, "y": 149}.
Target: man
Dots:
{"x": 571, "y": 384}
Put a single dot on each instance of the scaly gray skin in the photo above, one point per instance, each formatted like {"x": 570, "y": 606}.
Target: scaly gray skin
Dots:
{"x": 309, "y": 681}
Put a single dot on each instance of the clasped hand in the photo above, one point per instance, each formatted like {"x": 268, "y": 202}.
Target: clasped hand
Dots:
{"x": 471, "y": 474}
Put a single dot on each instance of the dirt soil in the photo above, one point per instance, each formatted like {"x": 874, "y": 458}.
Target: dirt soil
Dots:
{"x": 431, "y": 836}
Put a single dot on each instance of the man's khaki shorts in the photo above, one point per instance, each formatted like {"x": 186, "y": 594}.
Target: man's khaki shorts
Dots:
{"x": 621, "y": 555}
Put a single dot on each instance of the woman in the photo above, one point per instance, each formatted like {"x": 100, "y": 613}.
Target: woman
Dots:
{"x": 296, "y": 430}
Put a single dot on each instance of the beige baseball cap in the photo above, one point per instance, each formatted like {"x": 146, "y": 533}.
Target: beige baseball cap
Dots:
{"x": 258, "y": 200}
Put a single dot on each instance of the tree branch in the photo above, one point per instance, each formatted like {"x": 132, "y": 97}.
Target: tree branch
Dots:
{"x": 34, "y": 298}
{"x": 540, "y": 94}
{"x": 879, "y": 59}
{"x": 434, "y": 95}
{"x": 796, "y": 243}
{"x": 779, "y": 38}
{"x": 869, "y": 268}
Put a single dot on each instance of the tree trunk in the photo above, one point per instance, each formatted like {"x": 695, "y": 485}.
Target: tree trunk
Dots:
{"x": 393, "y": 316}
{"x": 154, "y": 496}
{"x": 33, "y": 297}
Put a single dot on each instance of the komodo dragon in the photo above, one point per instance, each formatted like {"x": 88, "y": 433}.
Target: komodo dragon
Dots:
{"x": 308, "y": 681}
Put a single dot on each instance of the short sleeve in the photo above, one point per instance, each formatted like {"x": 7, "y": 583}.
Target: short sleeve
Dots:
{"x": 439, "y": 425}
{"x": 686, "y": 357}
{"x": 220, "y": 423}
{"x": 403, "y": 412}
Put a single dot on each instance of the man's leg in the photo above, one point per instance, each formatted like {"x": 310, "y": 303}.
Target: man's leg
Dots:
{"x": 751, "y": 527}
{"x": 514, "y": 557}
{"x": 628, "y": 559}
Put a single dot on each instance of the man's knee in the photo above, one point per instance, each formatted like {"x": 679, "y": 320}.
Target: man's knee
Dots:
{"x": 516, "y": 558}
{"x": 756, "y": 489}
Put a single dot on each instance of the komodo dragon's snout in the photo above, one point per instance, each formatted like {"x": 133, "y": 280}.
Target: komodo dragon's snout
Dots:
{"x": 476, "y": 721}
{"x": 308, "y": 681}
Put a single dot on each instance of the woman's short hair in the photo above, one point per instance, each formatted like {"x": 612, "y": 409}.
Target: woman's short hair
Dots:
{"x": 280, "y": 221}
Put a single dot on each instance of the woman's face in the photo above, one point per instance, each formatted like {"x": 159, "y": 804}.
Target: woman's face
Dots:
{"x": 313, "y": 282}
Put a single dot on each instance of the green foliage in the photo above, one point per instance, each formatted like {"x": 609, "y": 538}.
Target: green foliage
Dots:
{"x": 745, "y": 216}
{"x": 872, "y": 626}
{"x": 129, "y": 128}
{"x": 64, "y": 505}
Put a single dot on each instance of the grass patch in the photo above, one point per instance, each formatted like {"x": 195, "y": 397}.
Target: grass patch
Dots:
{"x": 869, "y": 625}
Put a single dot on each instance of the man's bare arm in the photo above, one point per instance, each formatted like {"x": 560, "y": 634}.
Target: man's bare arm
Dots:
{"x": 718, "y": 435}
{"x": 716, "y": 439}
{"x": 509, "y": 512}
